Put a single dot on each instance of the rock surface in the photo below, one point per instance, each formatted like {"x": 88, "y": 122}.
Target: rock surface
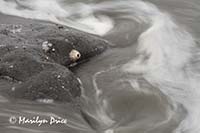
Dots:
{"x": 35, "y": 61}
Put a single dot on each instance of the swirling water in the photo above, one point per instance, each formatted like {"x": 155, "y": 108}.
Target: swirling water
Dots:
{"x": 147, "y": 82}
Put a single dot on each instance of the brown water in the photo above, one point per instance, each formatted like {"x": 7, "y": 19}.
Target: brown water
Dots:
{"x": 147, "y": 82}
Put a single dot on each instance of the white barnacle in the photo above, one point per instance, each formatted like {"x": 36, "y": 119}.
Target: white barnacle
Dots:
{"x": 46, "y": 46}
{"x": 66, "y": 40}
{"x": 11, "y": 66}
{"x": 50, "y": 44}
{"x": 53, "y": 49}
{"x": 74, "y": 55}
{"x": 59, "y": 76}
{"x": 13, "y": 89}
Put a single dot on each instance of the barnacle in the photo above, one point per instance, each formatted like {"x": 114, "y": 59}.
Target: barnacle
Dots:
{"x": 74, "y": 55}
{"x": 46, "y": 46}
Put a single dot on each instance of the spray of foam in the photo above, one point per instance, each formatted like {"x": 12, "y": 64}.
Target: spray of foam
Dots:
{"x": 76, "y": 15}
{"x": 168, "y": 58}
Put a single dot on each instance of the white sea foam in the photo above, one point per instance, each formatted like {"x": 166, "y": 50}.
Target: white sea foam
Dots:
{"x": 168, "y": 58}
{"x": 167, "y": 54}
{"x": 52, "y": 10}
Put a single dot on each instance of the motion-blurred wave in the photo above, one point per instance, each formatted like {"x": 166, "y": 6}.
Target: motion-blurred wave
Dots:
{"x": 76, "y": 15}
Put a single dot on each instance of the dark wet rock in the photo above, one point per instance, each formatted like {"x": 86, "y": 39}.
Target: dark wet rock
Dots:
{"x": 56, "y": 83}
{"x": 34, "y": 60}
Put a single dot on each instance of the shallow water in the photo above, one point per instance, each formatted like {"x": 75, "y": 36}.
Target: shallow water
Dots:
{"x": 148, "y": 81}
